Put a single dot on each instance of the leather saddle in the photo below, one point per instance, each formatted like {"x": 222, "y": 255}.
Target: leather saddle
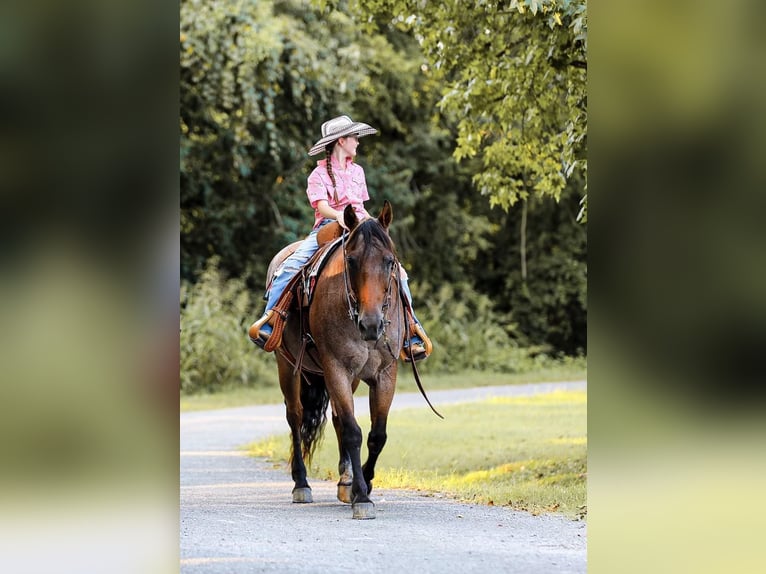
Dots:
{"x": 303, "y": 283}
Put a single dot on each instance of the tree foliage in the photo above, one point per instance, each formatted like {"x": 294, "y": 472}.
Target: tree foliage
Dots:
{"x": 256, "y": 78}
{"x": 257, "y": 81}
{"x": 514, "y": 77}
{"x": 548, "y": 307}
{"x": 259, "y": 78}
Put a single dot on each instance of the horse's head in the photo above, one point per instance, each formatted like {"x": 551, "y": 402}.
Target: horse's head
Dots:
{"x": 370, "y": 265}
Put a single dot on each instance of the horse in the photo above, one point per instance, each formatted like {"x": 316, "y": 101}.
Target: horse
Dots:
{"x": 355, "y": 329}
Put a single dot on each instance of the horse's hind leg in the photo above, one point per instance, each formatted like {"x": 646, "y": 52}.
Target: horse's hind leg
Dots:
{"x": 291, "y": 389}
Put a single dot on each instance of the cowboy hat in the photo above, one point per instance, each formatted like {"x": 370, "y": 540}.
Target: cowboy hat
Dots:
{"x": 340, "y": 127}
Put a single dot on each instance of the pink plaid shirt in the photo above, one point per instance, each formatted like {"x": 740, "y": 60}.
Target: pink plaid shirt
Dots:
{"x": 351, "y": 187}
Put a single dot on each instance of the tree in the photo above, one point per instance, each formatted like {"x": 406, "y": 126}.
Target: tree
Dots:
{"x": 514, "y": 74}
{"x": 257, "y": 78}
{"x": 548, "y": 306}
{"x": 513, "y": 77}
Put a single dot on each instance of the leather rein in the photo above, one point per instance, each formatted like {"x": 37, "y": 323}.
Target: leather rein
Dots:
{"x": 353, "y": 302}
{"x": 353, "y": 311}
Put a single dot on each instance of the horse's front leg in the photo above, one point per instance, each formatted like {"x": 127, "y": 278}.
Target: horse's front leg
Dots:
{"x": 381, "y": 395}
{"x": 291, "y": 389}
{"x": 351, "y": 442}
{"x": 344, "y": 464}
{"x": 345, "y": 469}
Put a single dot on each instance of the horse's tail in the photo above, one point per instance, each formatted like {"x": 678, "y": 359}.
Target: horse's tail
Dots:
{"x": 314, "y": 399}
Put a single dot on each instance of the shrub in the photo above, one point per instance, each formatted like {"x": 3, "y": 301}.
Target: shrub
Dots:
{"x": 215, "y": 349}
{"x": 467, "y": 334}
{"x": 216, "y": 352}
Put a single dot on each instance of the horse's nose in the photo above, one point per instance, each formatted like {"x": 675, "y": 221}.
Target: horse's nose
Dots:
{"x": 371, "y": 326}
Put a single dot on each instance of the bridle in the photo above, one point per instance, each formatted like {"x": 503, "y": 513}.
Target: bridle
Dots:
{"x": 352, "y": 301}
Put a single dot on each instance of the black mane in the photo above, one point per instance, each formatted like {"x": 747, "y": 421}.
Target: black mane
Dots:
{"x": 371, "y": 230}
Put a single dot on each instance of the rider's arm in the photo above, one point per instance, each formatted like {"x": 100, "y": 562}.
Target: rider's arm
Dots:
{"x": 324, "y": 208}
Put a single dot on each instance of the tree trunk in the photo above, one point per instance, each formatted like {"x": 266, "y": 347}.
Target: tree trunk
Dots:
{"x": 523, "y": 241}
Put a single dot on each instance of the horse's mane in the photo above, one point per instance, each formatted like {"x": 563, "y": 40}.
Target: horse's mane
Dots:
{"x": 371, "y": 230}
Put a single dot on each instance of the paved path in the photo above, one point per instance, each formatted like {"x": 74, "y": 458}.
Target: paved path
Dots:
{"x": 237, "y": 514}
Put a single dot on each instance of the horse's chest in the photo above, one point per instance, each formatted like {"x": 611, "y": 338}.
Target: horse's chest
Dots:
{"x": 371, "y": 366}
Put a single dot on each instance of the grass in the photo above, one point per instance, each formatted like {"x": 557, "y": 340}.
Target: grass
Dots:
{"x": 237, "y": 396}
{"x": 526, "y": 453}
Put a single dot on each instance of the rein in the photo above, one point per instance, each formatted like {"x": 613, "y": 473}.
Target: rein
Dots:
{"x": 351, "y": 300}
{"x": 417, "y": 377}
{"x": 353, "y": 312}
{"x": 353, "y": 307}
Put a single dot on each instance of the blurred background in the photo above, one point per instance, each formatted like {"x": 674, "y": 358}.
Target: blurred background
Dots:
{"x": 677, "y": 286}
{"x": 489, "y": 222}
{"x": 88, "y": 287}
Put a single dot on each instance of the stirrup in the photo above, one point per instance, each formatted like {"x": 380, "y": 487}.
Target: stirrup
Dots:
{"x": 419, "y": 352}
{"x": 255, "y": 329}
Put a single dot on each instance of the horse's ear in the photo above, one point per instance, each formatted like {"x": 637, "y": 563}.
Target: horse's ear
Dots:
{"x": 386, "y": 215}
{"x": 350, "y": 218}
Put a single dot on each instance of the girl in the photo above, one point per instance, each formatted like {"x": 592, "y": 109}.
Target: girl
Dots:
{"x": 335, "y": 183}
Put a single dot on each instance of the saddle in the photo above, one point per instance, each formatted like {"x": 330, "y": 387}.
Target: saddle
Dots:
{"x": 328, "y": 238}
{"x": 303, "y": 283}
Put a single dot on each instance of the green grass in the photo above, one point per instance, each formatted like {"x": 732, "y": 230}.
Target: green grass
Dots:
{"x": 526, "y": 453}
{"x": 237, "y": 396}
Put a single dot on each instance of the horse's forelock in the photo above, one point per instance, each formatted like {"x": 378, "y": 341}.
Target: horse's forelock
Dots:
{"x": 370, "y": 231}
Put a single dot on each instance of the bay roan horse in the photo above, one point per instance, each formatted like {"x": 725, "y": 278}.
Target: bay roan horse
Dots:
{"x": 356, "y": 320}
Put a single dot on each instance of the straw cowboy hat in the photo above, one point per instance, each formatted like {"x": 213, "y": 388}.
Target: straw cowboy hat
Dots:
{"x": 340, "y": 127}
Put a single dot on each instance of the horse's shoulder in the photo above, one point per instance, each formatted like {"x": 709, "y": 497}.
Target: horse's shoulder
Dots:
{"x": 323, "y": 257}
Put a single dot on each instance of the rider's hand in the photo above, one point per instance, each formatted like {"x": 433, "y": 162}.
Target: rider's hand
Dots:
{"x": 340, "y": 221}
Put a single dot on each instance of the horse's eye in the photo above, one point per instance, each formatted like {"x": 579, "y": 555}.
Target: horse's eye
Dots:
{"x": 388, "y": 262}
{"x": 351, "y": 261}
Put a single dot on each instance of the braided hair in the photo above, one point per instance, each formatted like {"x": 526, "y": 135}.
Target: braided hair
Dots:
{"x": 328, "y": 155}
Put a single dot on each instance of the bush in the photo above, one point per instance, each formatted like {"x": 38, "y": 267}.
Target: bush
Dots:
{"x": 468, "y": 335}
{"x": 215, "y": 349}
{"x": 216, "y": 352}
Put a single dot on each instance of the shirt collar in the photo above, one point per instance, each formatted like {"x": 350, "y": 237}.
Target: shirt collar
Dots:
{"x": 335, "y": 163}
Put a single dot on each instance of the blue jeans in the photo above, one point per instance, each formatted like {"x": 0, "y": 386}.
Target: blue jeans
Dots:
{"x": 406, "y": 289}
{"x": 292, "y": 265}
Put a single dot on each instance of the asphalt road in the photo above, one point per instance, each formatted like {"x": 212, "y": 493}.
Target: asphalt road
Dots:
{"x": 237, "y": 513}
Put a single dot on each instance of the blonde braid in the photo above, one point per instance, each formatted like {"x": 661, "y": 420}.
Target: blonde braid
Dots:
{"x": 328, "y": 155}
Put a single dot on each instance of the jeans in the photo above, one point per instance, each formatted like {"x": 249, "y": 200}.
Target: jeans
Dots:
{"x": 406, "y": 289}
{"x": 292, "y": 265}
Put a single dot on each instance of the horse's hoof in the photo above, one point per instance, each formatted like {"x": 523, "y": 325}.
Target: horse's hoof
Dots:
{"x": 363, "y": 510}
{"x": 344, "y": 493}
{"x": 302, "y": 495}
